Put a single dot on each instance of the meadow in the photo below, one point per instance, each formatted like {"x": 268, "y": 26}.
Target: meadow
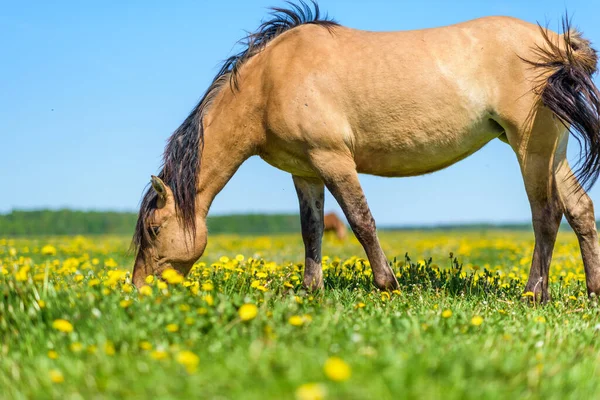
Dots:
{"x": 240, "y": 325}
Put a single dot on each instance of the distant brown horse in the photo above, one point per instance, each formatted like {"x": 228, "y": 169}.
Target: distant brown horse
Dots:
{"x": 325, "y": 102}
{"x": 332, "y": 223}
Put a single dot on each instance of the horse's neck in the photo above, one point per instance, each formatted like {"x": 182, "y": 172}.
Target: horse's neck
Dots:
{"x": 225, "y": 149}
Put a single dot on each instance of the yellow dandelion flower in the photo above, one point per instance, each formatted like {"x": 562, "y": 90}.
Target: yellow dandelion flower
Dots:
{"x": 202, "y": 311}
{"x": 296, "y": 320}
{"x": 109, "y": 349}
{"x": 476, "y": 320}
{"x": 48, "y": 250}
{"x": 145, "y": 345}
{"x": 540, "y": 319}
{"x": 239, "y": 258}
{"x": 115, "y": 276}
{"x": 360, "y": 305}
{"x": 127, "y": 288}
{"x": 110, "y": 263}
{"x": 56, "y": 376}
{"x": 172, "y": 277}
{"x": 145, "y": 291}
{"x": 62, "y": 325}
{"x": 76, "y": 347}
{"x": 41, "y": 303}
{"x": 209, "y": 299}
{"x": 172, "y": 328}
{"x": 23, "y": 273}
{"x": 93, "y": 282}
{"x": 159, "y": 354}
{"x": 336, "y": 369}
{"x": 248, "y": 312}
{"x": 189, "y": 360}
{"x": 161, "y": 285}
{"x": 207, "y": 287}
{"x": 446, "y": 313}
{"x": 53, "y": 355}
{"x": 125, "y": 303}
{"x": 149, "y": 279}
{"x": 195, "y": 288}
{"x": 311, "y": 391}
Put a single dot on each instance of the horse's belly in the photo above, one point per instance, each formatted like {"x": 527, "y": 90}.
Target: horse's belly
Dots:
{"x": 410, "y": 154}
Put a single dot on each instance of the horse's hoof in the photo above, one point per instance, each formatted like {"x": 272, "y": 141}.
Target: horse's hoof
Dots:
{"x": 534, "y": 297}
{"x": 594, "y": 290}
{"x": 313, "y": 284}
{"x": 387, "y": 284}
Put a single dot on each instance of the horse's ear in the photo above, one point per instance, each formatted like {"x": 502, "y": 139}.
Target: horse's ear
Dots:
{"x": 161, "y": 189}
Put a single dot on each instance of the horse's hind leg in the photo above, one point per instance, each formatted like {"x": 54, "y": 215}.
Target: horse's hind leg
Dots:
{"x": 579, "y": 210}
{"x": 338, "y": 171}
{"x": 311, "y": 199}
{"x": 546, "y": 213}
{"x": 535, "y": 152}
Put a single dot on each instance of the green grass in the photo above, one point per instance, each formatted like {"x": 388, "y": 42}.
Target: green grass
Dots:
{"x": 396, "y": 347}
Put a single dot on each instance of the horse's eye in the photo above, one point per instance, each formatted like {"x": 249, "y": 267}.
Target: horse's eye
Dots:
{"x": 154, "y": 230}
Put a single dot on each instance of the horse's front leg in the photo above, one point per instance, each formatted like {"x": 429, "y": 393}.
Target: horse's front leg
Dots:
{"x": 338, "y": 171}
{"x": 311, "y": 199}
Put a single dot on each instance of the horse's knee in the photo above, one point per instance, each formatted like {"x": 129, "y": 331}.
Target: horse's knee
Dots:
{"x": 364, "y": 226}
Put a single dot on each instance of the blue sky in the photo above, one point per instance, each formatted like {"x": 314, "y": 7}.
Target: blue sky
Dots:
{"x": 90, "y": 91}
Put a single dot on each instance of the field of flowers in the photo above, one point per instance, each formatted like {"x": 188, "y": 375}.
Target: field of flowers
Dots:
{"x": 240, "y": 326}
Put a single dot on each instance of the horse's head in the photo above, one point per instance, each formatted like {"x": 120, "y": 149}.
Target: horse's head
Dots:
{"x": 163, "y": 239}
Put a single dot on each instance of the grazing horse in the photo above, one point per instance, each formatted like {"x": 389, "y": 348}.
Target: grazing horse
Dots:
{"x": 331, "y": 222}
{"x": 325, "y": 102}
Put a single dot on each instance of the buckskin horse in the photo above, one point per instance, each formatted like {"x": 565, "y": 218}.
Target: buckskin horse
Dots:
{"x": 325, "y": 102}
{"x": 333, "y": 223}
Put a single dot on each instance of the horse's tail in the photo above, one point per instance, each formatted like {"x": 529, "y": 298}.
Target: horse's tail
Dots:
{"x": 570, "y": 93}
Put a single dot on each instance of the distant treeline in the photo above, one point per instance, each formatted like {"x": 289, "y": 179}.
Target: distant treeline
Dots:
{"x": 510, "y": 226}
{"x": 70, "y": 222}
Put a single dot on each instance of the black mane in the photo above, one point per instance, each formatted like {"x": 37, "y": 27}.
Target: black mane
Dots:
{"x": 182, "y": 155}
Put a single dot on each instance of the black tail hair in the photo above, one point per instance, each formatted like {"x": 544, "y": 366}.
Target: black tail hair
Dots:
{"x": 570, "y": 93}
